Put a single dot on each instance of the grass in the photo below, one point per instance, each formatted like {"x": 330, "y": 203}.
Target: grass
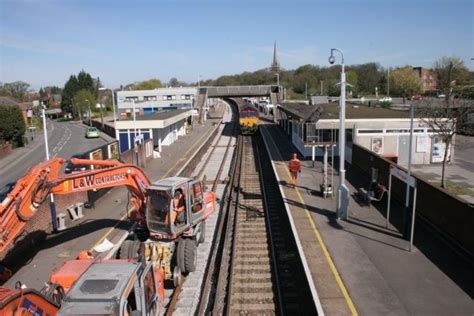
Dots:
{"x": 457, "y": 188}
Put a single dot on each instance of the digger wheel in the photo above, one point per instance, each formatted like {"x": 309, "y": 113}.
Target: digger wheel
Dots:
{"x": 130, "y": 249}
{"x": 190, "y": 255}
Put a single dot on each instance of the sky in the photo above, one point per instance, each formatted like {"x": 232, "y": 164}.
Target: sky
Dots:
{"x": 44, "y": 42}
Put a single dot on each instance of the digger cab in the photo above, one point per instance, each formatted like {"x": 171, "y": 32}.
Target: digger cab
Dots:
{"x": 173, "y": 206}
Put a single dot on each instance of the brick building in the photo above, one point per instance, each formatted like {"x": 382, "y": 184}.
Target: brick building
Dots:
{"x": 430, "y": 83}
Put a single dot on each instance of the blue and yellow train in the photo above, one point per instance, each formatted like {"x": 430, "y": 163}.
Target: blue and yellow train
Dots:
{"x": 249, "y": 119}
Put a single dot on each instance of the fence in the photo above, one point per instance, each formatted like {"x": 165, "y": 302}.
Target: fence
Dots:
{"x": 450, "y": 215}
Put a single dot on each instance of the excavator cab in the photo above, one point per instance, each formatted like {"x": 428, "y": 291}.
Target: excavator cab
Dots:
{"x": 174, "y": 205}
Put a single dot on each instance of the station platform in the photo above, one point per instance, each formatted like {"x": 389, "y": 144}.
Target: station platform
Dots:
{"x": 108, "y": 217}
{"x": 360, "y": 266}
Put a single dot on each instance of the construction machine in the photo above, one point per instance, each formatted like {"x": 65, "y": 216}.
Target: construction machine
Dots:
{"x": 164, "y": 243}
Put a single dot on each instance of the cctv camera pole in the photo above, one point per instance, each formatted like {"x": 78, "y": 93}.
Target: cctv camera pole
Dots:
{"x": 52, "y": 205}
{"x": 343, "y": 191}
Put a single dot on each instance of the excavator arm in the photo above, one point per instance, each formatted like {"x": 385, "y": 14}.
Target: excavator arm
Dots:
{"x": 32, "y": 189}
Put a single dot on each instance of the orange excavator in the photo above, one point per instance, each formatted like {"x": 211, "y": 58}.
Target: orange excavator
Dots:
{"x": 158, "y": 244}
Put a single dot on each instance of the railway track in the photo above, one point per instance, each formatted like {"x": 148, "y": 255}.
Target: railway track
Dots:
{"x": 260, "y": 271}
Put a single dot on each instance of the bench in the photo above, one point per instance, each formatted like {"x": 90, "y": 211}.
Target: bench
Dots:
{"x": 376, "y": 196}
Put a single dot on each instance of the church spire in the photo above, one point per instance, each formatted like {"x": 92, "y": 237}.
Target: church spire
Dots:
{"x": 276, "y": 63}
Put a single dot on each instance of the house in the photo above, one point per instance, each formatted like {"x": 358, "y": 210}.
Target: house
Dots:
{"x": 25, "y": 107}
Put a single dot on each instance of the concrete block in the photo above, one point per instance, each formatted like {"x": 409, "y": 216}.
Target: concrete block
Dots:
{"x": 61, "y": 220}
{"x": 72, "y": 211}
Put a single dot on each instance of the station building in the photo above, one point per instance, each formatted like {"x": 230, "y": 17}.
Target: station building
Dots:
{"x": 150, "y": 101}
{"x": 314, "y": 129}
{"x": 163, "y": 128}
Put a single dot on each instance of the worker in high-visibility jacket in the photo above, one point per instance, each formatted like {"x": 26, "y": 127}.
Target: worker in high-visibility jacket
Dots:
{"x": 295, "y": 167}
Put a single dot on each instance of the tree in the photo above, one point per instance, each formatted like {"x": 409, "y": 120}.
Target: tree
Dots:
{"x": 352, "y": 79}
{"x": 147, "y": 84}
{"x": 12, "y": 125}
{"x": 70, "y": 89}
{"x": 17, "y": 89}
{"x": 83, "y": 81}
{"x": 42, "y": 93}
{"x": 405, "y": 82}
{"x": 82, "y": 102}
{"x": 450, "y": 71}
{"x": 368, "y": 75}
{"x": 446, "y": 121}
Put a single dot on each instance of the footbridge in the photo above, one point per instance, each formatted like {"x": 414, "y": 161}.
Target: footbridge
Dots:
{"x": 274, "y": 92}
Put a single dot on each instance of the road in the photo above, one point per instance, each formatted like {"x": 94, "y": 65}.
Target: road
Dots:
{"x": 65, "y": 139}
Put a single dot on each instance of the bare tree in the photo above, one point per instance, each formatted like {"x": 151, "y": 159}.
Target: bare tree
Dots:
{"x": 450, "y": 72}
{"x": 446, "y": 121}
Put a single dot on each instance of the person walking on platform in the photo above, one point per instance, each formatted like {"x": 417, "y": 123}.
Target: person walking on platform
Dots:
{"x": 295, "y": 167}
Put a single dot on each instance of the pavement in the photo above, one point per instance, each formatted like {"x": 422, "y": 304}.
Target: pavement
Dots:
{"x": 360, "y": 265}
{"x": 460, "y": 171}
{"x": 108, "y": 217}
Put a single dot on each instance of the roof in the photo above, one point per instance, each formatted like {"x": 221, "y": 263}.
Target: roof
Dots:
{"x": 103, "y": 280}
{"x": 157, "y": 115}
{"x": 170, "y": 182}
{"x": 8, "y": 101}
{"x": 12, "y": 102}
{"x": 328, "y": 111}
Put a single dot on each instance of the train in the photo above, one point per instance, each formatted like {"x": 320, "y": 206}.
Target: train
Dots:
{"x": 249, "y": 119}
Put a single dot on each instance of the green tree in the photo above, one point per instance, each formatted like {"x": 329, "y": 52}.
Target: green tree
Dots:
{"x": 83, "y": 101}
{"x": 405, "y": 82}
{"x": 83, "y": 81}
{"x": 42, "y": 93}
{"x": 352, "y": 79}
{"x": 12, "y": 125}
{"x": 17, "y": 90}
{"x": 147, "y": 84}
{"x": 369, "y": 76}
{"x": 450, "y": 72}
{"x": 70, "y": 89}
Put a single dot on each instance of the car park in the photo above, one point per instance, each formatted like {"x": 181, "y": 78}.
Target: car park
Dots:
{"x": 92, "y": 132}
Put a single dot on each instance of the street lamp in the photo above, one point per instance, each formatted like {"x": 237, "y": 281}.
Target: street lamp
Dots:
{"x": 343, "y": 191}
{"x": 52, "y": 205}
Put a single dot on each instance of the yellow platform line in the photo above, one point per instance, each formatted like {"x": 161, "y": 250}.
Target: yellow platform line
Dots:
{"x": 336, "y": 274}
{"x": 110, "y": 230}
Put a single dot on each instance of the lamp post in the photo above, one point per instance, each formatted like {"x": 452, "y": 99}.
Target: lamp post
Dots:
{"x": 343, "y": 191}
{"x": 52, "y": 205}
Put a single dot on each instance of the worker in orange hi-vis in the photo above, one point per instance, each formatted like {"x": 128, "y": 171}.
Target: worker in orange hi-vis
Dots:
{"x": 295, "y": 167}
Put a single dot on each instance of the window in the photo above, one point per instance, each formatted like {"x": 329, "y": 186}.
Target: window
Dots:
{"x": 130, "y": 99}
{"x": 370, "y": 131}
{"x": 149, "y": 98}
{"x": 187, "y": 97}
{"x": 183, "y": 97}
{"x": 196, "y": 197}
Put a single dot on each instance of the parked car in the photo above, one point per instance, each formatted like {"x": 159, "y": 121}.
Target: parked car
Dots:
{"x": 6, "y": 189}
{"x": 92, "y": 132}
{"x": 416, "y": 98}
{"x": 70, "y": 168}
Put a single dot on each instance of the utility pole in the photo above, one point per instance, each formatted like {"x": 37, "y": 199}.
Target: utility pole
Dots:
{"x": 52, "y": 205}
{"x": 306, "y": 90}
{"x": 322, "y": 87}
